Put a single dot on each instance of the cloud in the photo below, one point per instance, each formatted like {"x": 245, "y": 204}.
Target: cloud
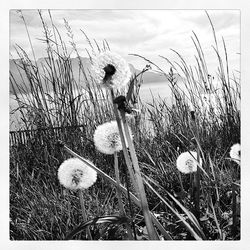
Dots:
{"x": 146, "y": 32}
{"x": 220, "y": 18}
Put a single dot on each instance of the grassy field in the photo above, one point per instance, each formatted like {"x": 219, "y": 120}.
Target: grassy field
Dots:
{"x": 204, "y": 205}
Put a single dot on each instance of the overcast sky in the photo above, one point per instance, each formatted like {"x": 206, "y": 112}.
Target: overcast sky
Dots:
{"x": 146, "y": 32}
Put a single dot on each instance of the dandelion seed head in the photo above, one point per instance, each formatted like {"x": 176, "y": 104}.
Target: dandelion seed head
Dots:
{"x": 74, "y": 174}
{"x": 187, "y": 163}
{"x": 107, "y": 138}
{"x": 111, "y": 70}
{"x": 235, "y": 153}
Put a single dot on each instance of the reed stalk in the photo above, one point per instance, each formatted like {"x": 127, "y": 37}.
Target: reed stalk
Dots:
{"x": 197, "y": 174}
{"x": 124, "y": 147}
{"x": 197, "y": 189}
{"x": 144, "y": 203}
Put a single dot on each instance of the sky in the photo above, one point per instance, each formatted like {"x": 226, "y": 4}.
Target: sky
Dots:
{"x": 149, "y": 33}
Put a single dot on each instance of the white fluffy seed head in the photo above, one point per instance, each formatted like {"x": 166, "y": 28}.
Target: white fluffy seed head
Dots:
{"x": 74, "y": 174}
{"x": 187, "y": 162}
{"x": 107, "y": 138}
{"x": 119, "y": 79}
{"x": 235, "y": 153}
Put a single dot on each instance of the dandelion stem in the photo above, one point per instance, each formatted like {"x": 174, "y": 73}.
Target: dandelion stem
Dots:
{"x": 84, "y": 214}
{"x": 145, "y": 209}
{"x": 118, "y": 183}
{"x": 191, "y": 186}
{"x": 179, "y": 175}
{"x": 119, "y": 195}
{"x": 124, "y": 147}
{"x": 129, "y": 203}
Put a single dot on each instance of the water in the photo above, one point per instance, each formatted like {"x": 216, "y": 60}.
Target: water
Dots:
{"x": 156, "y": 89}
{"x": 147, "y": 92}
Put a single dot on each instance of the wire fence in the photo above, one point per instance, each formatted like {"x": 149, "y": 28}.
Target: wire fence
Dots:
{"x": 24, "y": 136}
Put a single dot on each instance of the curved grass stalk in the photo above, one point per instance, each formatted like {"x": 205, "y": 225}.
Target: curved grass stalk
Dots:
{"x": 110, "y": 219}
{"x": 190, "y": 229}
{"x": 190, "y": 216}
{"x": 121, "y": 187}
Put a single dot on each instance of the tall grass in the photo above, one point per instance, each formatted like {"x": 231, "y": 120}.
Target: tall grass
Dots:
{"x": 50, "y": 95}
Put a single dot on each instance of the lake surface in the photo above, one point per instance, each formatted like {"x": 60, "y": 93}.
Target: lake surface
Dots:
{"x": 147, "y": 92}
{"x": 156, "y": 90}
